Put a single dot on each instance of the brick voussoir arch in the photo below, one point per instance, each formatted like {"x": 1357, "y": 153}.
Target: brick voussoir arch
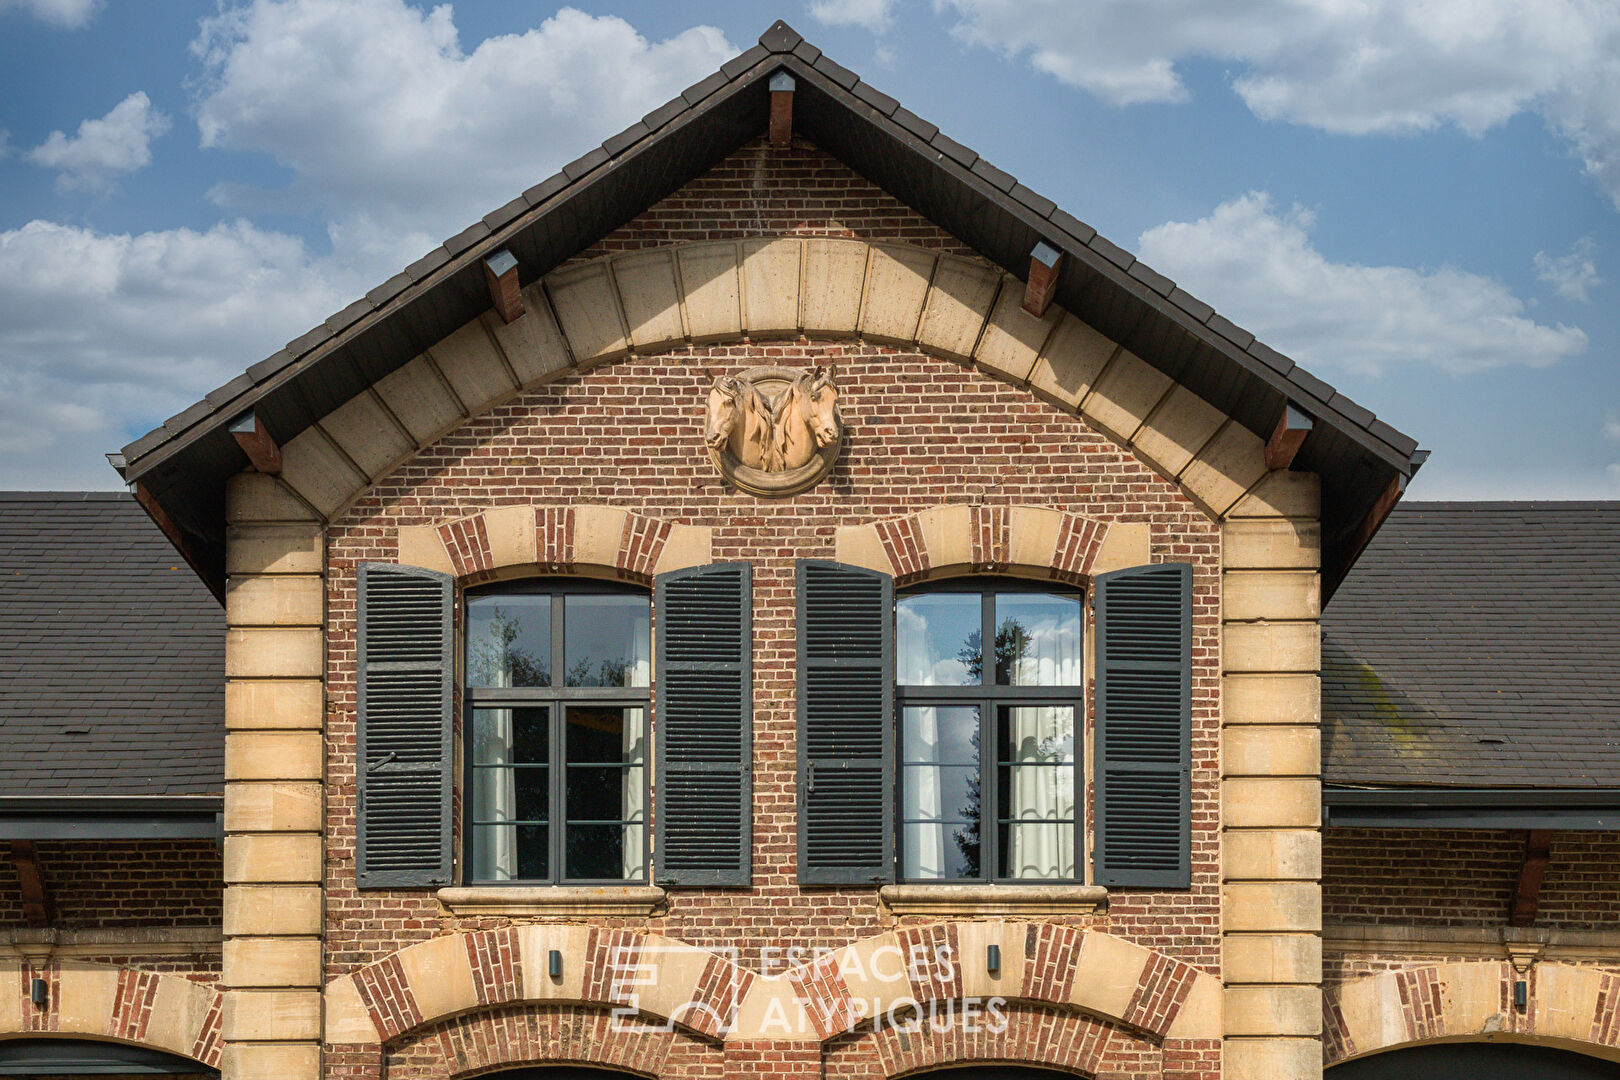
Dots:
{"x": 584, "y": 538}
{"x": 1567, "y": 1005}
{"x": 774, "y": 288}
{"x": 101, "y": 1001}
{"x": 708, "y": 994}
{"x": 977, "y": 538}
{"x": 1017, "y": 1034}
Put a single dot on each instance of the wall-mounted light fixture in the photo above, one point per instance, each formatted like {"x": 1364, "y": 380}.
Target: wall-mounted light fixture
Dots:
{"x": 37, "y": 991}
{"x": 992, "y": 959}
{"x": 1521, "y": 994}
{"x": 554, "y": 962}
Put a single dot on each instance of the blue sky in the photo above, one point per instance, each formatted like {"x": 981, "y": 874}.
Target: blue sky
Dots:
{"x": 1421, "y": 203}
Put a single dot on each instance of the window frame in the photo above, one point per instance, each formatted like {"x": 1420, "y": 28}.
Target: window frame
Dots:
{"x": 988, "y": 697}
{"x": 556, "y": 700}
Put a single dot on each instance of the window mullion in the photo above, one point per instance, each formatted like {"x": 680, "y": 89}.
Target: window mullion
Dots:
{"x": 557, "y": 769}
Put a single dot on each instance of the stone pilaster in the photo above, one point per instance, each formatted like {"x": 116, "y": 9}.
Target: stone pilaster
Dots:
{"x": 274, "y": 757}
{"x": 1271, "y": 790}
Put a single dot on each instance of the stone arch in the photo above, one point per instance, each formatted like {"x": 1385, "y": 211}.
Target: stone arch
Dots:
{"x": 582, "y": 538}
{"x": 498, "y": 1039}
{"x": 658, "y": 299}
{"x": 1034, "y": 1037}
{"x": 978, "y": 538}
{"x": 118, "y": 1004}
{"x": 707, "y": 994}
{"x": 1568, "y": 1006}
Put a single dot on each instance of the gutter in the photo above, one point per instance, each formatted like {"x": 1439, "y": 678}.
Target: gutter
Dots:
{"x": 1572, "y": 809}
{"x": 112, "y": 817}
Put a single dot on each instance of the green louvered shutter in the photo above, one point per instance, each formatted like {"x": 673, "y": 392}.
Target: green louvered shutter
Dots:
{"x": 703, "y": 803}
{"x": 403, "y": 759}
{"x": 846, "y": 724}
{"x": 1144, "y": 726}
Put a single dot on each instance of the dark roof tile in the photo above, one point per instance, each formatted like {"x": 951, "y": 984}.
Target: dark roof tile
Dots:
{"x": 962, "y": 155}
{"x": 545, "y": 189}
{"x": 807, "y": 52}
{"x": 1474, "y": 645}
{"x": 740, "y": 63}
{"x": 1072, "y": 225}
{"x": 507, "y": 214}
{"x": 582, "y": 165}
{"x": 109, "y": 633}
{"x": 837, "y": 72}
{"x": 270, "y": 365}
{"x": 1111, "y": 251}
{"x": 625, "y": 139}
{"x": 389, "y": 289}
{"x": 876, "y": 98}
{"x": 704, "y": 87}
{"x": 1034, "y": 200}
{"x": 780, "y": 37}
{"x": 914, "y": 124}
{"x": 1189, "y": 303}
{"x": 1230, "y": 330}
{"x": 997, "y": 178}
{"x": 1270, "y": 357}
{"x": 310, "y": 338}
{"x": 222, "y": 395}
{"x": 428, "y": 263}
{"x": 349, "y": 316}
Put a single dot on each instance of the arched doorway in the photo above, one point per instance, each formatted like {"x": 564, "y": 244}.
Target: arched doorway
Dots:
{"x": 559, "y": 1072}
{"x": 59, "y": 1058}
{"x": 1476, "y": 1061}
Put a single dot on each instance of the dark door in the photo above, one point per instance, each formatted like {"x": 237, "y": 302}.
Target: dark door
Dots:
{"x": 1476, "y": 1061}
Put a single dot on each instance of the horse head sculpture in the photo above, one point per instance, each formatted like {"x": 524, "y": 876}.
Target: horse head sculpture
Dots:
{"x": 739, "y": 420}
{"x": 805, "y": 419}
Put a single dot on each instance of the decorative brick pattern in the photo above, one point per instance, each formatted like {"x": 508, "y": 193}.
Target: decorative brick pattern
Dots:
{"x": 903, "y": 542}
{"x": 1077, "y": 544}
{"x": 1336, "y": 1041}
{"x": 497, "y": 966}
{"x": 933, "y": 958}
{"x": 1028, "y": 1035}
{"x": 992, "y": 537}
{"x": 209, "y": 1044}
{"x": 467, "y": 543}
{"x": 1421, "y": 1005}
{"x": 510, "y": 1037}
{"x": 1164, "y": 985}
{"x": 1051, "y": 953}
{"x": 132, "y": 1007}
{"x": 388, "y": 997}
{"x": 720, "y": 989}
{"x": 554, "y": 537}
{"x": 643, "y": 542}
{"x": 612, "y": 958}
{"x": 1606, "y": 1018}
{"x": 825, "y": 996}
{"x": 777, "y": 1060}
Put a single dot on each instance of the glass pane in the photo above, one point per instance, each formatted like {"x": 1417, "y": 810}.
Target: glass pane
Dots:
{"x": 606, "y": 734}
{"x": 509, "y": 640}
{"x": 1035, "y": 733}
{"x": 1036, "y": 793}
{"x": 510, "y": 853}
{"x": 936, "y": 638}
{"x": 1038, "y": 640}
{"x": 941, "y": 734}
{"x": 600, "y": 794}
{"x": 933, "y": 792}
{"x": 605, "y": 852}
{"x": 511, "y": 736}
{"x": 521, "y": 794}
{"x": 940, "y": 851}
{"x": 1037, "y": 852}
{"x": 608, "y": 641}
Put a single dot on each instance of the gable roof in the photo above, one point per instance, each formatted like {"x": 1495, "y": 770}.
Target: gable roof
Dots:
{"x": 113, "y": 658}
{"x": 1478, "y": 644}
{"x": 182, "y": 466}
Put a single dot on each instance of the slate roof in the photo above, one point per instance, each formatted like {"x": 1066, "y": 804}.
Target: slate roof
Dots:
{"x": 112, "y": 653}
{"x": 184, "y": 463}
{"x": 1478, "y": 644}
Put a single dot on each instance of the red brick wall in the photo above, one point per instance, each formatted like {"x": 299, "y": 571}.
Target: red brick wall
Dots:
{"x": 1465, "y": 877}
{"x": 96, "y": 883}
{"x": 921, "y": 432}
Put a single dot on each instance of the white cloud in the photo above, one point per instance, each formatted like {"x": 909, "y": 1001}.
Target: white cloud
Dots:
{"x": 68, "y": 14}
{"x": 103, "y": 335}
{"x": 387, "y": 125}
{"x": 1572, "y": 276}
{"x": 119, "y": 142}
{"x": 873, "y": 15}
{"x": 1371, "y": 66}
{"x": 1258, "y": 267}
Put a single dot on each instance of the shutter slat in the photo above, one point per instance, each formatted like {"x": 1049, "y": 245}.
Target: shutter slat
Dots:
{"x": 404, "y": 673}
{"x": 846, "y": 724}
{"x": 703, "y": 802}
{"x": 1144, "y": 727}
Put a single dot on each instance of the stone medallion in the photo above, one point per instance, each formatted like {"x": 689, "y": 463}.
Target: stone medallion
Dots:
{"x": 772, "y": 430}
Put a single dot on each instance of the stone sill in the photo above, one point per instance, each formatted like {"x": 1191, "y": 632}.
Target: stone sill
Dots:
{"x": 993, "y": 899}
{"x": 40, "y": 944}
{"x": 553, "y": 900}
{"x": 1497, "y": 942}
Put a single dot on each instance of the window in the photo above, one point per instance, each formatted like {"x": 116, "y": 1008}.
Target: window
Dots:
{"x": 988, "y": 777}
{"x": 557, "y": 677}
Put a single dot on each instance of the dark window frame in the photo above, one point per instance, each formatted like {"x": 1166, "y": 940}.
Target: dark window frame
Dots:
{"x": 988, "y": 697}
{"x": 556, "y": 699}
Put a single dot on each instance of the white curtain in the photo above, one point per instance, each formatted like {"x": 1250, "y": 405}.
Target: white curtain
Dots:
{"x": 922, "y": 794}
{"x": 495, "y": 790}
{"x": 1042, "y": 793}
{"x": 634, "y": 797}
